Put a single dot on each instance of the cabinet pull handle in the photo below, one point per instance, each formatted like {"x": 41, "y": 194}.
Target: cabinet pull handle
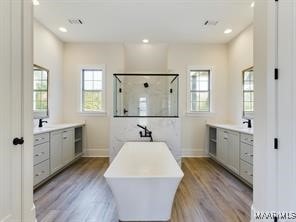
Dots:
{"x": 37, "y": 175}
{"x": 65, "y": 137}
{"x": 37, "y": 154}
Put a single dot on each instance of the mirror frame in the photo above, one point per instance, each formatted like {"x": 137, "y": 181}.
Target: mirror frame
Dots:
{"x": 36, "y": 114}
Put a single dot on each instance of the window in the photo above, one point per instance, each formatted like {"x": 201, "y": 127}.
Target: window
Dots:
{"x": 248, "y": 92}
{"x": 40, "y": 92}
{"x": 199, "y": 91}
{"x": 92, "y": 90}
{"x": 142, "y": 106}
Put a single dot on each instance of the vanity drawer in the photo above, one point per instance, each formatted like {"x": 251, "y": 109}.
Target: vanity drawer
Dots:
{"x": 246, "y": 171}
{"x": 41, "y": 171}
{"x": 246, "y": 138}
{"x": 41, "y": 138}
{"x": 41, "y": 153}
{"x": 246, "y": 152}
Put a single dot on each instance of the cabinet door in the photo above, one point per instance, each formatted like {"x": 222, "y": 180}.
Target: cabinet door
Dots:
{"x": 233, "y": 152}
{"x": 56, "y": 146}
{"x": 221, "y": 145}
{"x": 225, "y": 147}
{"x": 68, "y": 146}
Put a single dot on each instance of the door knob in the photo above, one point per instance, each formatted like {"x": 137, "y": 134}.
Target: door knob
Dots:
{"x": 18, "y": 141}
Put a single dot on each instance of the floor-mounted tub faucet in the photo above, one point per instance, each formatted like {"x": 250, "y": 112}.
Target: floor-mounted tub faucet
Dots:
{"x": 147, "y": 133}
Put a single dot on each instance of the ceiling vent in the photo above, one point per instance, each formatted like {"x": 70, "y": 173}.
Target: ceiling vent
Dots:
{"x": 75, "y": 21}
{"x": 210, "y": 23}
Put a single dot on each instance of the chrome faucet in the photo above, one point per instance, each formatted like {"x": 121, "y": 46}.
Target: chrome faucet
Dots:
{"x": 147, "y": 133}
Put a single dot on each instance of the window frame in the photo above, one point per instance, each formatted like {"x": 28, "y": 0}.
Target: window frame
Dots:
{"x": 39, "y": 114}
{"x": 190, "y": 112}
{"x": 102, "y": 111}
{"x": 247, "y": 114}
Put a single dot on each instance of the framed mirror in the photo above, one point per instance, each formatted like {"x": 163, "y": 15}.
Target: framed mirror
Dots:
{"x": 248, "y": 93}
{"x": 40, "y": 92}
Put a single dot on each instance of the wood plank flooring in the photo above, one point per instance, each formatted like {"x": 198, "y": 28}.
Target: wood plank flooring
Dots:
{"x": 207, "y": 193}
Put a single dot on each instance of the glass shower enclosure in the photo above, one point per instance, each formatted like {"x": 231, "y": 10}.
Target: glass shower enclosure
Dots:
{"x": 146, "y": 95}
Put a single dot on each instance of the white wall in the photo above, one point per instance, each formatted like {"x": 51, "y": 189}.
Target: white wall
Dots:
{"x": 75, "y": 56}
{"x": 48, "y": 53}
{"x": 214, "y": 56}
{"x": 146, "y": 58}
{"x": 240, "y": 57}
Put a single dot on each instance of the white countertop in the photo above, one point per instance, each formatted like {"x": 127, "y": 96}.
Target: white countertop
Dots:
{"x": 236, "y": 128}
{"x": 49, "y": 128}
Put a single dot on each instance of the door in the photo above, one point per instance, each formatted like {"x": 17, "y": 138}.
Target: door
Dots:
{"x": 56, "y": 155}
{"x": 68, "y": 145}
{"x": 11, "y": 110}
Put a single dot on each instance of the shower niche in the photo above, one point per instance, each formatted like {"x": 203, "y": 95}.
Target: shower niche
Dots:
{"x": 146, "y": 95}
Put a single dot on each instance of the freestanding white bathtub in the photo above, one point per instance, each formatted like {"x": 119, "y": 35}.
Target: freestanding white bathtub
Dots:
{"x": 144, "y": 177}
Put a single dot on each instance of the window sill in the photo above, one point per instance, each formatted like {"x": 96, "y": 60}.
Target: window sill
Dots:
{"x": 94, "y": 114}
{"x": 200, "y": 114}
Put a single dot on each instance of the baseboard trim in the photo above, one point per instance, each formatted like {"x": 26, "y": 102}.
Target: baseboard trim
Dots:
{"x": 96, "y": 153}
{"x": 105, "y": 153}
{"x": 193, "y": 153}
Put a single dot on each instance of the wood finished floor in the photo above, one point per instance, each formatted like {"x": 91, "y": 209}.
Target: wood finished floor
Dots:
{"x": 207, "y": 193}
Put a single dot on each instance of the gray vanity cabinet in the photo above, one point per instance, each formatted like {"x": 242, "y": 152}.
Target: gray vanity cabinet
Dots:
{"x": 55, "y": 150}
{"x": 233, "y": 150}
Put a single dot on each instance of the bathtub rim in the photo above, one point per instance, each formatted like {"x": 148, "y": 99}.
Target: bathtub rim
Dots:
{"x": 179, "y": 174}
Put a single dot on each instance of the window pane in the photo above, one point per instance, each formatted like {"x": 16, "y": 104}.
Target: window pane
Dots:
{"x": 44, "y": 75}
{"x": 92, "y": 101}
{"x": 88, "y": 75}
{"x": 204, "y": 96}
{"x": 194, "y": 83}
{"x": 204, "y": 76}
{"x": 88, "y": 85}
{"x": 195, "y": 96}
{"x": 97, "y": 85}
{"x": 98, "y": 75}
{"x": 37, "y": 75}
{"x": 194, "y": 106}
{"x": 203, "y": 106}
{"x": 204, "y": 85}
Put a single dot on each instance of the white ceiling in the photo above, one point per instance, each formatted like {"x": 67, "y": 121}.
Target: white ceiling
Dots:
{"x": 165, "y": 21}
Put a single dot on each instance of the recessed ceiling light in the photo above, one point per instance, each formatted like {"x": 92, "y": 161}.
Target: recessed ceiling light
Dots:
{"x": 145, "y": 41}
{"x": 62, "y": 29}
{"x": 36, "y": 2}
{"x": 253, "y": 4}
{"x": 227, "y": 31}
